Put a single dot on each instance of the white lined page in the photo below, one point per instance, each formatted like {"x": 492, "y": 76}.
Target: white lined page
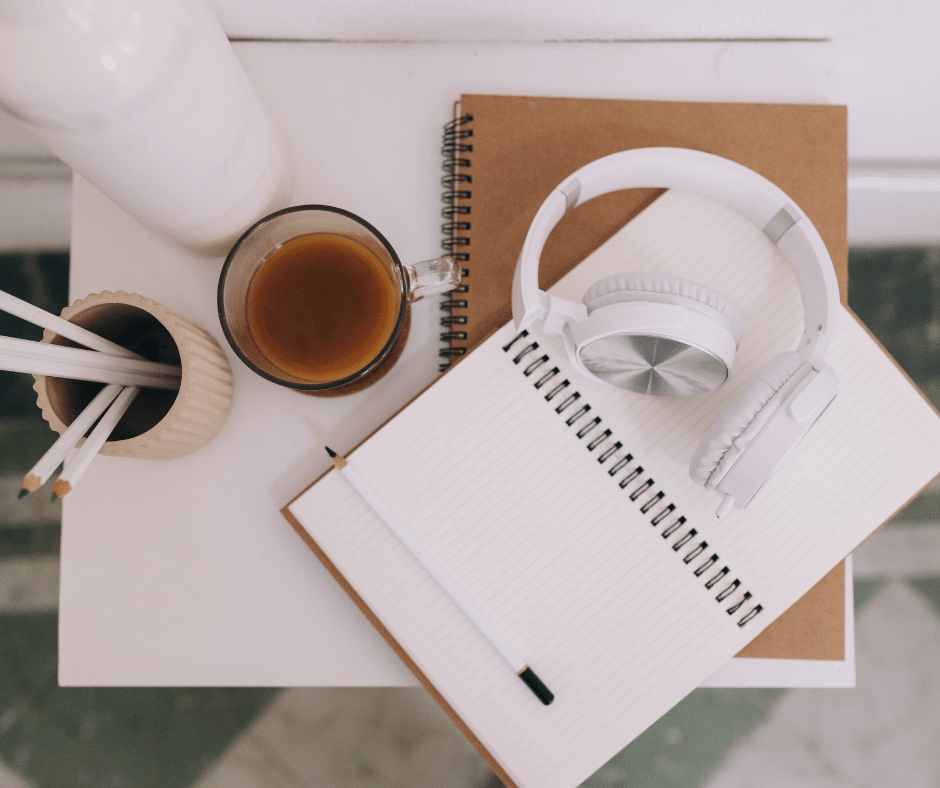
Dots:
{"x": 502, "y": 493}
{"x": 569, "y": 629}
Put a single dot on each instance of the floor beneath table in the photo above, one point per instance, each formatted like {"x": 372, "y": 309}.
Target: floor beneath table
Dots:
{"x": 883, "y": 732}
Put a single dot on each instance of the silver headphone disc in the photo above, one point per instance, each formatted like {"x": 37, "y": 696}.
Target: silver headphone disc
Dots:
{"x": 653, "y": 365}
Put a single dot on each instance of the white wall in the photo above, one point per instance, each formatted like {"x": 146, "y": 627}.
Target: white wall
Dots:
{"x": 889, "y": 50}
{"x": 888, "y": 56}
{"x": 35, "y": 192}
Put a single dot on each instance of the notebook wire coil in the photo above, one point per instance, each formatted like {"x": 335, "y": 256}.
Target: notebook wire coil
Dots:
{"x": 456, "y": 184}
{"x": 631, "y": 477}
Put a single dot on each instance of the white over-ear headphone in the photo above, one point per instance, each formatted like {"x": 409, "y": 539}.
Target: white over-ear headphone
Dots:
{"x": 654, "y": 333}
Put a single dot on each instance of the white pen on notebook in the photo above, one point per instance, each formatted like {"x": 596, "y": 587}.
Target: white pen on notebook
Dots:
{"x": 516, "y": 662}
{"x": 49, "y": 461}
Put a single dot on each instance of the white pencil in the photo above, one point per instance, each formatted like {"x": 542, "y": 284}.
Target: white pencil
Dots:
{"x": 79, "y": 463}
{"x": 49, "y": 461}
{"x": 41, "y": 358}
{"x": 61, "y": 326}
{"x": 75, "y": 355}
{"x": 77, "y": 372}
{"x": 517, "y": 663}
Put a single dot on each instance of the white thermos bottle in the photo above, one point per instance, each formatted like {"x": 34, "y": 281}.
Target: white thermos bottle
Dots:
{"x": 147, "y": 101}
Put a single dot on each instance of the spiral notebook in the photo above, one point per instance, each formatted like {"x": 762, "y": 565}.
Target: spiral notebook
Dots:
{"x": 564, "y": 510}
{"x": 503, "y": 154}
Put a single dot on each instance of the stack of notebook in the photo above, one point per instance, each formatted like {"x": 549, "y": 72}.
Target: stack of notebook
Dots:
{"x": 508, "y": 152}
{"x": 562, "y": 507}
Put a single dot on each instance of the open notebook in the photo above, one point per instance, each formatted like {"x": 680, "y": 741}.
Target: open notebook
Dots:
{"x": 564, "y": 510}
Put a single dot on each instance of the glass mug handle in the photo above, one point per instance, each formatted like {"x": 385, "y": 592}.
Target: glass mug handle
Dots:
{"x": 431, "y": 277}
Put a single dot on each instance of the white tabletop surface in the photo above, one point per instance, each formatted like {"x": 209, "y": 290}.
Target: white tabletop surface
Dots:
{"x": 184, "y": 572}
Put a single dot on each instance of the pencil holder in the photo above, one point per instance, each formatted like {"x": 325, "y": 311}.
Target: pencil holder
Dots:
{"x": 158, "y": 424}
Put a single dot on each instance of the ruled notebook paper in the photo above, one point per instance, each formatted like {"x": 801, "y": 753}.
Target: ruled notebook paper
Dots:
{"x": 603, "y": 595}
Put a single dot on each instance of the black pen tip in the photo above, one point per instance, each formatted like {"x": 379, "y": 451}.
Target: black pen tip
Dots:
{"x": 22, "y": 494}
{"x": 330, "y": 451}
{"x": 535, "y": 684}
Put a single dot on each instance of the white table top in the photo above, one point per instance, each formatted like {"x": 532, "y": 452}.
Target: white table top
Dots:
{"x": 184, "y": 572}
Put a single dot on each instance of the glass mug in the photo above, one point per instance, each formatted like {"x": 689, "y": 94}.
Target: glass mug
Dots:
{"x": 315, "y": 298}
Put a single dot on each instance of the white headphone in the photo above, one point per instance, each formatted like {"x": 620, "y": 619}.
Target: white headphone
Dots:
{"x": 655, "y": 333}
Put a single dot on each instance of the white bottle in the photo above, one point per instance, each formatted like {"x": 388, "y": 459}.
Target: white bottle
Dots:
{"x": 147, "y": 101}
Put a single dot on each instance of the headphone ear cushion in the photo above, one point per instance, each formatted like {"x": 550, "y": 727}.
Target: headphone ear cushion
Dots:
{"x": 654, "y": 286}
{"x": 733, "y": 431}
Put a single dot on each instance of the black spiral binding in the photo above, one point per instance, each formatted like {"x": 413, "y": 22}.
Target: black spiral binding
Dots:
{"x": 630, "y": 476}
{"x": 456, "y": 184}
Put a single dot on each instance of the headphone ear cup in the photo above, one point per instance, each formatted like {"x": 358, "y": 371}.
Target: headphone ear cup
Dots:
{"x": 657, "y": 334}
{"x": 733, "y": 431}
{"x": 665, "y": 288}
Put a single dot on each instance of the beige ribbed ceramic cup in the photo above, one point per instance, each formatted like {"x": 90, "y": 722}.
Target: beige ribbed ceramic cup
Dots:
{"x": 159, "y": 424}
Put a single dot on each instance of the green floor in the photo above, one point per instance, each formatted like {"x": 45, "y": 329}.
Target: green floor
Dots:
{"x": 164, "y": 738}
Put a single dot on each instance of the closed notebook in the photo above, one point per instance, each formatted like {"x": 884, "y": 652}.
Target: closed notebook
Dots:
{"x": 508, "y": 152}
{"x": 563, "y": 509}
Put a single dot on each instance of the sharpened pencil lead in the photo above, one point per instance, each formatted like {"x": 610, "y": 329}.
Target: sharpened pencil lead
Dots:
{"x": 61, "y": 488}
{"x": 338, "y": 462}
{"x": 22, "y": 494}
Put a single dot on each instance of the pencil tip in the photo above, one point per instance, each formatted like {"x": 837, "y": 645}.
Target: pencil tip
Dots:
{"x": 22, "y": 494}
{"x": 330, "y": 451}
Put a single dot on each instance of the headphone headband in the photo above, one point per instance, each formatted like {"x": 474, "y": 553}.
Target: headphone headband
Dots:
{"x": 738, "y": 187}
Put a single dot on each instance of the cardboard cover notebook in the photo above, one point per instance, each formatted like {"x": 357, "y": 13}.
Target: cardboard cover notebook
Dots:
{"x": 508, "y": 152}
{"x": 563, "y": 510}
